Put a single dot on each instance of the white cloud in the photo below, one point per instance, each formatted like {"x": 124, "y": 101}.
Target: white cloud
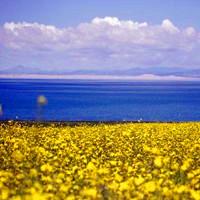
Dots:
{"x": 106, "y": 42}
{"x": 113, "y": 21}
{"x": 169, "y": 26}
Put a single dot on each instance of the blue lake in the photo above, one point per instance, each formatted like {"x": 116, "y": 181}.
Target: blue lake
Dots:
{"x": 96, "y": 100}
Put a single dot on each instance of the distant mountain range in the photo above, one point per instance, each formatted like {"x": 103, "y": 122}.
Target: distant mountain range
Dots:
{"x": 159, "y": 71}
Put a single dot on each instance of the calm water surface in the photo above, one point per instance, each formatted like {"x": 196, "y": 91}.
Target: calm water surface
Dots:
{"x": 89, "y": 100}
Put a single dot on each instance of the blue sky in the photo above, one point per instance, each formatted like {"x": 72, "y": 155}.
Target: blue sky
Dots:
{"x": 64, "y": 13}
{"x": 60, "y": 36}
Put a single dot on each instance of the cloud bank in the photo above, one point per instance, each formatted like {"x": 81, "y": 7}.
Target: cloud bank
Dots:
{"x": 102, "y": 44}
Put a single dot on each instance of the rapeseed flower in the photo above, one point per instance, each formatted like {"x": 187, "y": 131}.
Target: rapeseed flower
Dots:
{"x": 104, "y": 161}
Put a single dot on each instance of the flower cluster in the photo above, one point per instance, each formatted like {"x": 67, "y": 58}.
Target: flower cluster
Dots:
{"x": 102, "y": 161}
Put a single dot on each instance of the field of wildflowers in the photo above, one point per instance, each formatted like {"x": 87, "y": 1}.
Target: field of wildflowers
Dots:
{"x": 102, "y": 161}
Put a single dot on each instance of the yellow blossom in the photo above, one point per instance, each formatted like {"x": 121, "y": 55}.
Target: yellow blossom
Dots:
{"x": 158, "y": 162}
{"x": 139, "y": 180}
{"x": 46, "y": 168}
{"x": 17, "y": 156}
{"x": 99, "y": 161}
{"x": 150, "y": 186}
{"x": 90, "y": 192}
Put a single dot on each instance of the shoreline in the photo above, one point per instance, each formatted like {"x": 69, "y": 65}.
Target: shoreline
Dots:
{"x": 98, "y": 77}
{"x": 74, "y": 123}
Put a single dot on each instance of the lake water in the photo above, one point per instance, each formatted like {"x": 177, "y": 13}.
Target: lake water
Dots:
{"x": 104, "y": 101}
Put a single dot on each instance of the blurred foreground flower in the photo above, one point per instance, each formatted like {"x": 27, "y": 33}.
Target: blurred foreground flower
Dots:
{"x": 41, "y": 101}
{"x": 1, "y": 110}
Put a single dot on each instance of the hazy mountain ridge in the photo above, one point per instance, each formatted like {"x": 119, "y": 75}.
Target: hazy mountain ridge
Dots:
{"x": 159, "y": 71}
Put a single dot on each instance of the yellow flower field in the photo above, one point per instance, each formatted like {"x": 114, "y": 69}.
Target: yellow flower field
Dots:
{"x": 102, "y": 161}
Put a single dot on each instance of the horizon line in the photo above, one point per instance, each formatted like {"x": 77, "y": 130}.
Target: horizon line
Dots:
{"x": 143, "y": 77}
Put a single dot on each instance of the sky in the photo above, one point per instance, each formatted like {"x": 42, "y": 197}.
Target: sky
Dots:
{"x": 133, "y": 37}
